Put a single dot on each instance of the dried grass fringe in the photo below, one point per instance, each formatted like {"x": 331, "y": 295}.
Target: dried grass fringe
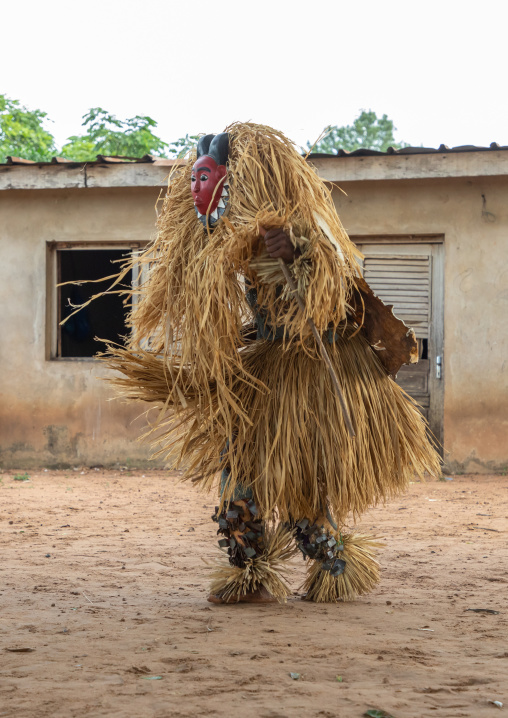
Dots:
{"x": 296, "y": 456}
{"x": 231, "y": 582}
{"x": 360, "y": 576}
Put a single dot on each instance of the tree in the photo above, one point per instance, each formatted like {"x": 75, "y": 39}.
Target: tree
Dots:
{"x": 367, "y": 132}
{"x": 107, "y": 135}
{"x": 179, "y": 148}
{"x": 22, "y": 133}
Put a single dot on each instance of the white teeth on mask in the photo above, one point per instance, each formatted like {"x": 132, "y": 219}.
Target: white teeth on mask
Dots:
{"x": 225, "y": 192}
{"x": 214, "y": 215}
{"x": 221, "y": 204}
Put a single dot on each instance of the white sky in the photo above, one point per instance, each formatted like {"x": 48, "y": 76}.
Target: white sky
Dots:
{"x": 437, "y": 69}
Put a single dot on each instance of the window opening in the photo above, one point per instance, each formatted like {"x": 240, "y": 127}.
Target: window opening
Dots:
{"x": 105, "y": 317}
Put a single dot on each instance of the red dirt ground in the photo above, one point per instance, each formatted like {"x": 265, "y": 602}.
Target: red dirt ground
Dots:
{"x": 104, "y": 587}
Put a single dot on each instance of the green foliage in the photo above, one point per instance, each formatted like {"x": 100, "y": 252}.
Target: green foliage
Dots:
{"x": 22, "y": 133}
{"x": 181, "y": 147}
{"x": 107, "y": 135}
{"x": 79, "y": 148}
{"x": 21, "y": 477}
{"x": 368, "y": 131}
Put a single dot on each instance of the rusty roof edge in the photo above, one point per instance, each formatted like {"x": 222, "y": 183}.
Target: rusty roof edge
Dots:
{"x": 442, "y": 149}
{"x": 100, "y": 160}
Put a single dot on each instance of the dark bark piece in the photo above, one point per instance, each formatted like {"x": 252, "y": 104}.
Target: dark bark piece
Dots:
{"x": 393, "y": 341}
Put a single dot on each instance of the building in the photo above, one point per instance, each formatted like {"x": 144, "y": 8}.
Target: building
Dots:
{"x": 432, "y": 224}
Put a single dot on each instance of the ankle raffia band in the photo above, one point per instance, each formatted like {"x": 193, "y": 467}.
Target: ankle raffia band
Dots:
{"x": 356, "y": 574}
{"x": 264, "y": 571}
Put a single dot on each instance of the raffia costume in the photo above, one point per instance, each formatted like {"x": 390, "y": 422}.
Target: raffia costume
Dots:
{"x": 258, "y": 409}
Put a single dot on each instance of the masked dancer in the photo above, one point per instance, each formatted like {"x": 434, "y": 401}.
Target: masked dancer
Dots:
{"x": 272, "y": 364}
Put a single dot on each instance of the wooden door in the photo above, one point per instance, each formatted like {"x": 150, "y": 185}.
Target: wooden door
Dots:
{"x": 409, "y": 275}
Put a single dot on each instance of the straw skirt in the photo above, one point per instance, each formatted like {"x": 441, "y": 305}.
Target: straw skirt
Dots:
{"x": 296, "y": 456}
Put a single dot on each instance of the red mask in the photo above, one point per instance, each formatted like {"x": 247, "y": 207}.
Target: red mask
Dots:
{"x": 206, "y": 175}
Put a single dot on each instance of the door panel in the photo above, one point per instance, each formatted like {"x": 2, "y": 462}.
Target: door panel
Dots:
{"x": 409, "y": 276}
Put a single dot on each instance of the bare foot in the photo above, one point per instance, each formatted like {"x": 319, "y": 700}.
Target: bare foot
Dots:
{"x": 260, "y": 595}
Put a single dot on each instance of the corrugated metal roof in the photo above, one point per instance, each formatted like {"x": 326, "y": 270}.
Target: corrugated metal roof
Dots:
{"x": 100, "y": 160}
{"x": 118, "y": 159}
{"x": 413, "y": 151}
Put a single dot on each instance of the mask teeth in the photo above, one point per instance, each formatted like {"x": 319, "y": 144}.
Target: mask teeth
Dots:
{"x": 221, "y": 204}
{"x": 225, "y": 192}
{"x": 214, "y": 215}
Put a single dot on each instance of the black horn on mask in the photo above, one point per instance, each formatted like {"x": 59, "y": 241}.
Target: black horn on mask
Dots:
{"x": 204, "y": 144}
{"x": 214, "y": 146}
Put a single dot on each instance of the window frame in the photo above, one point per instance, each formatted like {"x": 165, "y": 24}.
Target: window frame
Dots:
{"x": 53, "y": 329}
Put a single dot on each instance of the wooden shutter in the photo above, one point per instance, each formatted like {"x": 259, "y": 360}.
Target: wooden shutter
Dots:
{"x": 404, "y": 281}
{"x": 409, "y": 273}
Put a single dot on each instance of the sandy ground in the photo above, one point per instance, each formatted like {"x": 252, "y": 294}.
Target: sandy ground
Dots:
{"x": 103, "y": 608}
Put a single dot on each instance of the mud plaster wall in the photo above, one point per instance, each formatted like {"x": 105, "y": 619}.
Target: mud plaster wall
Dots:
{"x": 57, "y": 413}
{"x": 476, "y": 297}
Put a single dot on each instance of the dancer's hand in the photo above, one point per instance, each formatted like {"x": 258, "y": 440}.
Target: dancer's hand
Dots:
{"x": 278, "y": 243}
